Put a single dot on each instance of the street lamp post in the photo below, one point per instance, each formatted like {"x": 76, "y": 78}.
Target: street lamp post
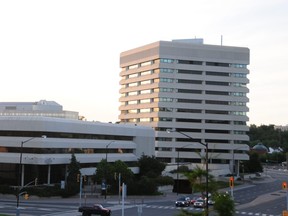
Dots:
{"x": 178, "y": 158}
{"x": 20, "y": 182}
{"x": 206, "y": 161}
{"x": 105, "y": 173}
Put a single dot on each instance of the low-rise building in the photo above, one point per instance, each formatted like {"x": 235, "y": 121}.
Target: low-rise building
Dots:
{"x": 38, "y": 140}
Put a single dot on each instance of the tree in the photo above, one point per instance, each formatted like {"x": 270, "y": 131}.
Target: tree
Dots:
{"x": 73, "y": 169}
{"x": 253, "y": 165}
{"x": 224, "y": 205}
{"x": 150, "y": 166}
{"x": 72, "y": 187}
{"x": 184, "y": 212}
{"x": 197, "y": 179}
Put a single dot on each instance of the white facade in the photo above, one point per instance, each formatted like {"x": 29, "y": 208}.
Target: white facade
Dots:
{"x": 200, "y": 90}
{"x": 47, "y": 158}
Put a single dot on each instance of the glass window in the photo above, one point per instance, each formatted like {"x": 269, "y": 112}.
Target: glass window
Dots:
{"x": 212, "y": 73}
{"x": 217, "y": 64}
{"x": 146, "y": 72}
{"x": 145, "y": 101}
{"x": 132, "y": 111}
{"x": 146, "y": 91}
{"x": 189, "y": 62}
{"x": 144, "y": 119}
{"x": 133, "y": 66}
{"x": 166, "y": 90}
{"x": 133, "y": 84}
{"x": 145, "y": 63}
{"x": 132, "y": 102}
{"x": 199, "y": 82}
{"x": 133, "y": 75}
{"x": 238, "y": 65}
{"x": 132, "y": 93}
{"x": 217, "y": 83}
{"x": 145, "y": 110}
{"x": 145, "y": 82}
{"x": 164, "y": 60}
{"x": 166, "y": 70}
{"x": 168, "y": 80}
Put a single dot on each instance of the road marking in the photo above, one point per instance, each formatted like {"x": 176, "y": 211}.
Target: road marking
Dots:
{"x": 256, "y": 214}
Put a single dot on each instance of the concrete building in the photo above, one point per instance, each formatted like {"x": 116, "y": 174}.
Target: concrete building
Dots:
{"x": 40, "y": 137}
{"x": 196, "y": 89}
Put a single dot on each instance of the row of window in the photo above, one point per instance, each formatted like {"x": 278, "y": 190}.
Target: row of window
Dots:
{"x": 181, "y": 100}
{"x": 65, "y": 150}
{"x": 183, "y": 81}
{"x": 188, "y": 91}
{"x": 181, "y": 71}
{"x": 64, "y": 135}
{"x": 169, "y": 119}
{"x": 190, "y": 62}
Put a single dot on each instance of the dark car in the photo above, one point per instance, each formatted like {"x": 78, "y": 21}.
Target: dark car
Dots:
{"x": 183, "y": 201}
{"x": 96, "y": 209}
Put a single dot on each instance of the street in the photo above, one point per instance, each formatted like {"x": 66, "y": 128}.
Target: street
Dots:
{"x": 260, "y": 198}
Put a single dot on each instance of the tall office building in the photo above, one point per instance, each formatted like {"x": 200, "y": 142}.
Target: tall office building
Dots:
{"x": 198, "y": 91}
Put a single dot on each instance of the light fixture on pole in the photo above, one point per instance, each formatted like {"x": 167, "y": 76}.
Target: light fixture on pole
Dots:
{"x": 20, "y": 176}
{"x": 178, "y": 159}
{"x": 105, "y": 173}
{"x": 206, "y": 163}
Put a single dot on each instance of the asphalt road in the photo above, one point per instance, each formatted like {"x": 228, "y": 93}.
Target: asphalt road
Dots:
{"x": 258, "y": 198}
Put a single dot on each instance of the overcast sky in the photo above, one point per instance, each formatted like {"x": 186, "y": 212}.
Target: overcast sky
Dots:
{"x": 68, "y": 51}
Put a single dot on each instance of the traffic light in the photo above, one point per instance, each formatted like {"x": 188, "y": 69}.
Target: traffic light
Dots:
{"x": 284, "y": 185}
{"x": 36, "y": 181}
{"x": 26, "y": 196}
{"x": 231, "y": 181}
{"x": 78, "y": 177}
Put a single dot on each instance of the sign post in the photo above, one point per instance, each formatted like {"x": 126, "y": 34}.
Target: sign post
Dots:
{"x": 284, "y": 187}
{"x": 231, "y": 183}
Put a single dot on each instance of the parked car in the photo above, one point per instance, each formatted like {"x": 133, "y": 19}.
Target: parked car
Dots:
{"x": 200, "y": 203}
{"x": 96, "y": 209}
{"x": 183, "y": 201}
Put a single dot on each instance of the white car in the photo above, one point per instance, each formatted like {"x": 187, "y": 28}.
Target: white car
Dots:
{"x": 200, "y": 203}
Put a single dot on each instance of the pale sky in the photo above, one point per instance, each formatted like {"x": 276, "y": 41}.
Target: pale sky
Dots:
{"x": 68, "y": 51}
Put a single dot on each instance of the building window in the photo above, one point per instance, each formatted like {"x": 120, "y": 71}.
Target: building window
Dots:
{"x": 239, "y": 94}
{"x": 239, "y": 75}
{"x": 166, "y": 70}
{"x": 190, "y": 72}
{"x": 144, "y": 119}
{"x": 212, "y": 73}
{"x": 132, "y": 93}
{"x": 217, "y": 112}
{"x": 217, "y": 102}
{"x": 148, "y": 110}
{"x": 145, "y": 101}
{"x": 132, "y": 102}
{"x": 189, "y": 101}
{"x": 217, "y": 93}
{"x": 164, "y": 60}
{"x": 132, "y": 84}
{"x": 189, "y": 110}
{"x": 189, "y": 91}
{"x": 133, "y": 75}
{"x": 217, "y": 83}
{"x": 217, "y": 64}
{"x": 238, "y": 65}
{"x": 198, "y": 82}
{"x": 146, "y": 63}
{"x": 189, "y": 62}
{"x": 132, "y": 66}
{"x": 145, "y": 82}
{"x": 146, "y": 91}
{"x": 144, "y": 73}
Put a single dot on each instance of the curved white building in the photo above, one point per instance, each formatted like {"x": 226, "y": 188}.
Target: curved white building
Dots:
{"x": 48, "y": 143}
